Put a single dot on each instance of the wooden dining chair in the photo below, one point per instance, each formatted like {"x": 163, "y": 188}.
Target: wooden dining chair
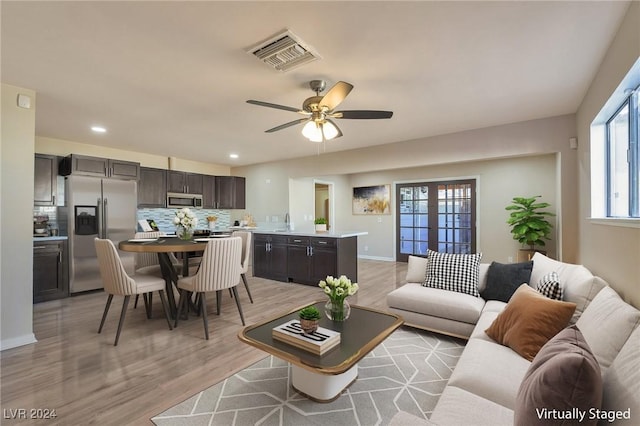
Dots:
{"x": 117, "y": 282}
{"x": 219, "y": 270}
{"x": 246, "y": 253}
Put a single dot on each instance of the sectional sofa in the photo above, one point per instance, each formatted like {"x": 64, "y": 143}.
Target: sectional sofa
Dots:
{"x": 585, "y": 371}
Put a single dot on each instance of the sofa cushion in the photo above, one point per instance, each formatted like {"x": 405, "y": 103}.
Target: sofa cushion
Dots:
{"x": 504, "y": 279}
{"x": 438, "y": 303}
{"x": 416, "y": 269}
{"x": 453, "y": 272}
{"x": 549, "y": 285}
{"x": 579, "y": 284}
{"x": 606, "y": 325}
{"x": 491, "y": 371}
{"x": 457, "y": 407}
{"x": 529, "y": 320}
{"x": 564, "y": 376}
{"x": 621, "y": 384}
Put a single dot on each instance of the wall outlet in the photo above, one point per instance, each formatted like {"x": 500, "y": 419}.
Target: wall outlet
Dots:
{"x": 510, "y": 259}
{"x": 366, "y": 248}
{"x": 379, "y": 220}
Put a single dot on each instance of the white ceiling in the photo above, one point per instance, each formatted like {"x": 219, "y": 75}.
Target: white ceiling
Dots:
{"x": 172, "y": 78}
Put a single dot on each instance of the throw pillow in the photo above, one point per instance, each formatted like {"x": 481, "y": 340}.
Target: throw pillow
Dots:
{"x": 504, "y": 279}
{"x": 529, "y": 320}
{"x": 549, "y": 285}
{"x": 416, "y": 269}
{"x": 453, "y": 272}
{"x": 563, "y": 377}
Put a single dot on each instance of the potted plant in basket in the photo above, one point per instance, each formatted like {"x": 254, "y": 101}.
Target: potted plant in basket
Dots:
{"x": 321, "y": 224}
{"x": 309, "y": 319}
{"x": 529, "y": 225}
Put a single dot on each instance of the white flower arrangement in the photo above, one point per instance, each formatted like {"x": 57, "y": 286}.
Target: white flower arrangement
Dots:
{"x": 186, "y": 219}
{"x": 338, "y": 289}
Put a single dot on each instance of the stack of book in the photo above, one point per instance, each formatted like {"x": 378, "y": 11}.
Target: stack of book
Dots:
{"x": 318, "y": 342}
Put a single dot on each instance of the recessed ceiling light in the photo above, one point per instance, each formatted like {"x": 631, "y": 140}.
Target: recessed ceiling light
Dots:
{"x": 233, "y": 156}
{"x": 98, "y": 129}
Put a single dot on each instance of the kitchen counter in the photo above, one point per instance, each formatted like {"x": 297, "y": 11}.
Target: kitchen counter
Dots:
{"x": 56, "y": 238}
{"x": 328, "y": 234}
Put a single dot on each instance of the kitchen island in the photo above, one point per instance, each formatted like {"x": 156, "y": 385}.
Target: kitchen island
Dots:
{"x": 305, "y": 257}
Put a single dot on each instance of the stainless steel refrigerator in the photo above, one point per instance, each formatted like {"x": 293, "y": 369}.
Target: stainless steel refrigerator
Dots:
{"x": 103, "y": 208}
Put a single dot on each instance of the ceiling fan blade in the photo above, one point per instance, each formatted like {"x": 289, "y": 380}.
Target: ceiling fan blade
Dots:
{"x": 336, "y": 95}
{"x": 285, "y": 125}
{"x": 363, "y": 114}
{"x": 276, "y": 106}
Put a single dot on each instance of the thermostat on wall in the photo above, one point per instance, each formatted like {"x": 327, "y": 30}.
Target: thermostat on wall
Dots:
{"x": 24, "y": 101}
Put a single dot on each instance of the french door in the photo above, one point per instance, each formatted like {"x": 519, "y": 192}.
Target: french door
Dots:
{"x": 439, "y": 216}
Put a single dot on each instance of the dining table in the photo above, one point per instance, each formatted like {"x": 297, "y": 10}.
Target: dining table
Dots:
{"x": 163, "y": 246}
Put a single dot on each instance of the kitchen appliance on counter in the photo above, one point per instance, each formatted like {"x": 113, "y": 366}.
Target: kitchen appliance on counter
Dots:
{"x": 103, "y": 208}
{"x": 41, "y": 226}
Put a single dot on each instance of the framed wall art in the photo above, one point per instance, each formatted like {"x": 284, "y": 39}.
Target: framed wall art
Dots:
{"x": 372, "y": 199}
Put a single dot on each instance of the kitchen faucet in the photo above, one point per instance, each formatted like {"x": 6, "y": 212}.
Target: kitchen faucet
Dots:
{"x": 286, "y": 221}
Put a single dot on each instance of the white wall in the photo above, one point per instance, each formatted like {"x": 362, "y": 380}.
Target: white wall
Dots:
{"x": 609, "y": 251}
{"x": 16, "y": 222}
{"x": 459, "y": 154}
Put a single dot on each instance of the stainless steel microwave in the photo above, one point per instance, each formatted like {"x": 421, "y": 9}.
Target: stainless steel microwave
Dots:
{"x": 177, "y": 200}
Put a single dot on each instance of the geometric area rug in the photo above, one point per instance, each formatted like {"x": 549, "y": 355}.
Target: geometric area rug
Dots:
{"x": 407, "y": 371}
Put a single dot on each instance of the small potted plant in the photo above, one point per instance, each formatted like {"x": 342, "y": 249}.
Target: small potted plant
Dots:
{"x": 309, "y": 319}
{"x": 321, "y": 224}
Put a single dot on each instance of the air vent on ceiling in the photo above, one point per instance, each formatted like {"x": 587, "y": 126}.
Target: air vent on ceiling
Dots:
{"x": 284, "y": 52}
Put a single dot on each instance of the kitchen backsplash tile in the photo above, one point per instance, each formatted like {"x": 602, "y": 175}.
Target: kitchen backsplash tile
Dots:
{"x": 164, "y": 218}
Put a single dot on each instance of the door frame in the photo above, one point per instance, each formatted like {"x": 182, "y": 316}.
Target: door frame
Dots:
{"x": 396, "y": 218}
{"x": 332, "y": 213}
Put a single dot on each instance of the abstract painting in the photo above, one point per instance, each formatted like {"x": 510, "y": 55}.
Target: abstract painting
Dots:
{"x": 372, "y": 199}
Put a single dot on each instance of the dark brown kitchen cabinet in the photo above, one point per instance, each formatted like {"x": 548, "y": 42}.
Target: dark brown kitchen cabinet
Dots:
{"x": 50, "y": 271}
{"x": 99, "y": 167}
{"x": 270, "y": 256}
{"x": 184, "y": 182}
{"x": 152, "y": 188}
{"x": 45, "y": 180}
{"x": 309, "y": 259}
{"x": 209, "y": 192}
{"x": 230, "y": 192}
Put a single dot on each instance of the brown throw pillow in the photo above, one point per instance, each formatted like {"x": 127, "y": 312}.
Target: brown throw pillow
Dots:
{"x": 563, "y": 378}
{"x": 529, "y": 320}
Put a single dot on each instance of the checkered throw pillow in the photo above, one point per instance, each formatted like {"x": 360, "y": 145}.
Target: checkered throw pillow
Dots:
{"x": 453, "y": 272}
{"x": 549, "y": 285}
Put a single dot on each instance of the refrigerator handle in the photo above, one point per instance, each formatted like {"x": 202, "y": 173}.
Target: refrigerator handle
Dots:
{"x": 99, "y": 218}
{"x": 105, "y": 225}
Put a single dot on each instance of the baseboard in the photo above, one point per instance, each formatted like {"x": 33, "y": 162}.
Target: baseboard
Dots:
{"x": 385, "y": 259}
{"x": 14, "y": 342}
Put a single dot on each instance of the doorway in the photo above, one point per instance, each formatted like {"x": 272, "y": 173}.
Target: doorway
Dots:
{"x": 323, "y": 202}
{"x": 438, "y": 216}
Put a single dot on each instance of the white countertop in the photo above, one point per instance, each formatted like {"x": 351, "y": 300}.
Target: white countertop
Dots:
{"x": 329, "y": 234}
{"x": 57, "y": 238}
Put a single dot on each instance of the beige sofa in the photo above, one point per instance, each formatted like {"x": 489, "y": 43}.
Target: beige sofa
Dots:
{"x": 484, "y": 385}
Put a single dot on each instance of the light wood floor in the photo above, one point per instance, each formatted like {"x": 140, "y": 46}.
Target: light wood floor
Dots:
{"x": 86, "y": 380}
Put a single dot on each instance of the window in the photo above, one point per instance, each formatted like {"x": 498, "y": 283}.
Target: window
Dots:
{"x": 439, "y": 216}
{"x": 623, "y": 160}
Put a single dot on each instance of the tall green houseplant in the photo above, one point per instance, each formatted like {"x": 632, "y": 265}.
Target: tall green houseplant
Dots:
{"x": 529, "y": 225}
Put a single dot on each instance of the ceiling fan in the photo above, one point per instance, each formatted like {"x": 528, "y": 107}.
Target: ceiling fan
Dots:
{"x": 319, "y": 111}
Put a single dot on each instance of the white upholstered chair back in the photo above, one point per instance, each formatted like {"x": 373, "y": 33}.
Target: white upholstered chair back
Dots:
{"x": 114, "y": 277}
{"x": 246, "y": 248}
{"x": 220, "y": 267}
{"x": 146, "y": 259}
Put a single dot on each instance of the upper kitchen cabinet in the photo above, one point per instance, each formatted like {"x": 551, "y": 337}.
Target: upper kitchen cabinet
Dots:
{"x": 152, "y": 188}
{"x": 230, "y": 192}
{"x": 99, "y": 167}
{"x": 45, "y": 180}
{"x": 184, "y": 183}
{"x": 209, "y": 192}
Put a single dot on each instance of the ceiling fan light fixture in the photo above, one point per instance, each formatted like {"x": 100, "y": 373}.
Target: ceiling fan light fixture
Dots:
{"x": 315, "y": 131}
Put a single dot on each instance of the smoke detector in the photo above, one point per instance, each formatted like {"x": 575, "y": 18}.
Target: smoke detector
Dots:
{"x": 284, "y": 52}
